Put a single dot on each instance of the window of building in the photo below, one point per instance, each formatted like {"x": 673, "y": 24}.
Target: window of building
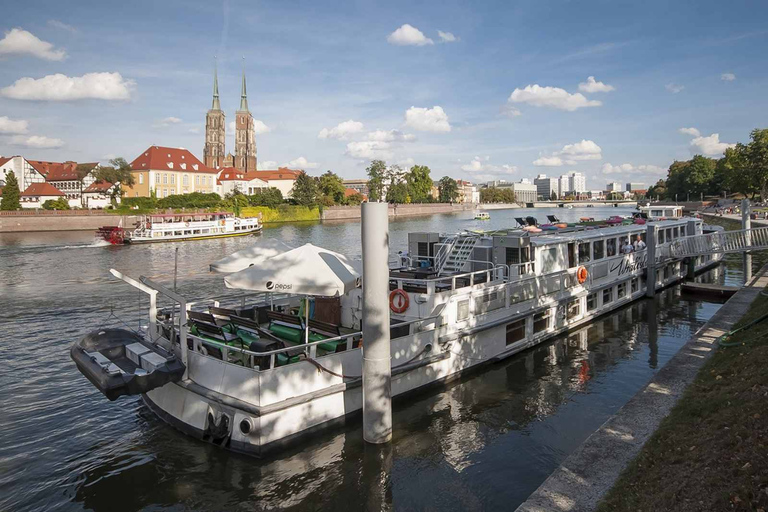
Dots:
{"x": 141, "y": 179}
{"x": 610, "y": 247}
{"x": 197, "y": 180}
{"x": 542, "y": 321}
{"x": 598, "y": 249}
{"x": 574, "y": 309}
{"x": 591, "y": 301}
{"x": 621, "y": 290}
{"x": 157, "y": 178}
{"x": 633, "y": 285}
{"x": 165, "y": 192}
{"x": 607, "y": 295}
{"x": 173, "y": 179}
{"x": 185, "y": 179}
{"x": 165, "y": 179}
{"x": 584, "y": 252}
{"x": 515, "y": 331}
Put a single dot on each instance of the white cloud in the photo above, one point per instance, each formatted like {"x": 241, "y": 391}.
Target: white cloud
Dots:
{"x": 391, "y": 136}
{"x": 690, "y": 131}
{"x": 447, "y": 37}
{"x": 37, "y": 141}
{"x": 62, "y": 26}
{"x": 711, "y": 145}
{"x": 58, "y": 87}
{"x": 728, "y": 77}
{"x": 510, "y": 111}
{"x": 20, "y": 42}
{"x": 406, "y": 163}
{"x": 674, "y": 88}
{"x": 194, "y": 130}
{"x": 408, "y": 35}
{"x": 259, "y": 128}
{"x": 553, "y": 97}
{"x": 8, "y": 125}
{"x": 629, "y": 168}
{"x": 591, "y": 85}
{"x": 266, "y": 164}
{"x": 370, "y": 150}
{"x": 341, "y": 131}
{"x": 427, "y": 119}
{"x": 483, "y": 165}
{"x": 584, "y": 150}
{"x": 548, "y": 161}
{"x": 301, "y": 163}
{"x": 165, "y": 122}
{"x": 616, "y": 169}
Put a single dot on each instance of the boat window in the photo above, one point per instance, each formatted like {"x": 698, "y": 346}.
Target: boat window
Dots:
{"x": 657, "y": 213}
{"x": 584, "y": 252}
{"x": 676, "y": 232}
{"x": 542, "y": 321}
{"x": 206, "y": 231}
{"x": 462, "y": 310}
{"x": 196, "y": 232}
{"x": 512, "y": 256}
{"x": 574, "y": 309}
{"x": 597, "y": 249}
{"x": 610, "y": 247}
{"x": 621, "y": 290}
{"x": 622, "y": 241}
{"x": 591, "y": 301}
{"x": 571, "y": 255}
{"x": 607, "y": 295}
{"x": 549, "y": 261}
{"x": 669, "y": 234}
{"x": 661, "y": 236}
{"x": 187, "y": 232}
{"x": 515, "y": 331}
{"x": 633, "y": 286}
{"x": 666, "y": 272}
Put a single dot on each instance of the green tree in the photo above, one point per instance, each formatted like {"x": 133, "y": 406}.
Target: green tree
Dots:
{"x": 56, "y": 204}
{"x": 11, "y": 199}
{"x": 377, "y": 171}
{"x": 701, "y": 174}
{"x": 271, "y": 197}
{"x": 118, "y": 172}
{"x": 657, "y": 190}
{"x": 355, "y": 199}
{"x": 305, "y": 190}
{"x": 448, "y": 189}
{"x": 756, "y": 154}
{"x": 419, "y": 184}
{"x": 553, "y": 196}
{"x": 398, "y": 193}
{"x": 332, "y": 186}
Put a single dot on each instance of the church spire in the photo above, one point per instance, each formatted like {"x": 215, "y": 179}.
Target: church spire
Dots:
{"x": 243, "y": 95}
{"x": 215, "y": 105}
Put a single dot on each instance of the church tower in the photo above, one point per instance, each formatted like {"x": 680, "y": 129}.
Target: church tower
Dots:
{"x": 245, "y": 137}
{"x": 215, "y": 130}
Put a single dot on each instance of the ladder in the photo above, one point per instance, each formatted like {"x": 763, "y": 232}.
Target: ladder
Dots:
{"x": 460, "y": 252}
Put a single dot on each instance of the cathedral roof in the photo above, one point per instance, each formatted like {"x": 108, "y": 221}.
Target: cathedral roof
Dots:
{"x": 160, "y": 158}
{"x": 59, "y": 171}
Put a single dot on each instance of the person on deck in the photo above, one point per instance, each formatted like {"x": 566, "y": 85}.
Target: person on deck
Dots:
{"x": 627, "y": 248}
{"x": 639, "y": 244}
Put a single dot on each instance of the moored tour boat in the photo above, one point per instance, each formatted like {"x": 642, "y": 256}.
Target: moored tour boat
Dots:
{"x": 173, "y": 227}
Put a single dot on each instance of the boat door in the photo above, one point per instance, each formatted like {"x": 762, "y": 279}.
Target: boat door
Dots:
{"x": 571, "y": 254}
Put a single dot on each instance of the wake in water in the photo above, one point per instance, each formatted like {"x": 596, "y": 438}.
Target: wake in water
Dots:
{"x": 95, "y": 243}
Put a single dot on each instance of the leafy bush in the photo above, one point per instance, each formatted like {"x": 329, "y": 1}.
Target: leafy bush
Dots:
{"x": 56, "y": 204}
{"x": 193, "y": 200}
{"x": 145, "y": 203}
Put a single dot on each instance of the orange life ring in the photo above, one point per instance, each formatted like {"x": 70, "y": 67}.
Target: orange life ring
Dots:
{"x": 582, "y": 274}
{"x": 403, "y": 303}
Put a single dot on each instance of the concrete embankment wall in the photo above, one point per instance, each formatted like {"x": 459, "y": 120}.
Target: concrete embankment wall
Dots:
{"x": 399, "y": 210}
{"x": 61, "y": 222}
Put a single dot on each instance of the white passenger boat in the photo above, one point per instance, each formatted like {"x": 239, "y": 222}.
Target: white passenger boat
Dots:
{"x": 174, "y": 227}
{"x": 480, "y": 215}
{"x": 660, "y": 212}
{"x": 282, "y": 357}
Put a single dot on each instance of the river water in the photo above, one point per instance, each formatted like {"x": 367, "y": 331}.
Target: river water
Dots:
{"x": 484, "y": 442}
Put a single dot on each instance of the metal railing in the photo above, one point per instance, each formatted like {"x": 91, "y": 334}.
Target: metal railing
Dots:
{"x": 715, "y": 243}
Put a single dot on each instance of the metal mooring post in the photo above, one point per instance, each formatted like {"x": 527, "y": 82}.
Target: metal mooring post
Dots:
{"x": 650, "y": 244}
{"x": 746, "y": 223}
{"x": 691, "y": 230}
{"x": 377, "y": 369}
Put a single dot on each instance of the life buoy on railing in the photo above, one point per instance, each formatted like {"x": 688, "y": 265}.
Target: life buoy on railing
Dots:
{"x": 186, "y": 224}
{"x": 398, "y": 300}
{"x": 582, "y": 274}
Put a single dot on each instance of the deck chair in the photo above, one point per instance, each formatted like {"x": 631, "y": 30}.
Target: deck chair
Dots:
{"x": 553, "y": 218}
{"x": 520, "y": 222}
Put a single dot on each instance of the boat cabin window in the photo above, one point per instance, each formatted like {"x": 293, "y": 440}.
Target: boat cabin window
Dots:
{"x": 657, "y": 213}
{"x": 661, "y": 236}
{"x": 610, "y": 247}
{"x": 633, "y": 286}
{"x": 676, "y": 232}
{"x": 542, "y": 321}
{"x": 597, "y": 249}
{"x": 622, "y": 241}
{"x": 574, "y": 309}
{"x": 584, "y": 252}
{"x": 462, "y": 310}
{"x": 607, "y": 295}
{"x": 571, "y": 255}
{"x": 621, "y": 290}
{"x": 591, "y": 302}
{"x": 549, "y": 260}
{"x": 515, "y": 331}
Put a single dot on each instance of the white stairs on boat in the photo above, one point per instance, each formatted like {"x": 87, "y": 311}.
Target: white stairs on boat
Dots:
{"x": 456, "y": 254}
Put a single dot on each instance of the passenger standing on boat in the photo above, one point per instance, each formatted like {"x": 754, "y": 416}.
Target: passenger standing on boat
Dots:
{"x": 627, "y": 248}
{"x": 639, "y": 244}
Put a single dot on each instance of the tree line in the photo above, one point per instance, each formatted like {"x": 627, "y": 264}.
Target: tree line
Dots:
{"x": 743, "y": 169}
{"x": 393, "y": 184}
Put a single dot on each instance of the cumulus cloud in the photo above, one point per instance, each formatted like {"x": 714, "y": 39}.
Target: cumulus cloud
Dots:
{"x": 259, "y": 128}
{"x": 58, "y": 87}
{"x": 548, "y": 161}
{"x": 391, "y": 136}
{"x": 408, "y": 35}
{"x": 629, "y": 168}
{"x": 406, "y": 163}
{"x": 63, "y": 26}
{"x": 165, "y": 122}
{"x": 690, "y": 131}
{"x": 20, "y": 42}
{"x": 15, "y": 126}
{"x": 447, "y": 37}
{"x": 592, "y": 85}
{"x": 341, "y": 131}
{"x": 37, "y": 141}
{"x": 728, "y": 77}
{"x": 369, "y": 150}
{"x": 427, "y": 119}
{"x": 674, "y": 88}
{"x": 710, "y": 146}
{"x": 264, "y": 165}
{"x": 483, "y": 165}
{"x": 510, "y": 111}
{"x": 552, "y": 97}
{"x": 584, "y": 150}
{"x": 301, "y": 163}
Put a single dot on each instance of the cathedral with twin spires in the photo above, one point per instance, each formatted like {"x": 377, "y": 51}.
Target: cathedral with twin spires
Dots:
{"x": 214, "y": 152}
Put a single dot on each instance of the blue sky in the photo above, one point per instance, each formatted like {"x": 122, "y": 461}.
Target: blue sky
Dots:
{"x": 497, "y": 95}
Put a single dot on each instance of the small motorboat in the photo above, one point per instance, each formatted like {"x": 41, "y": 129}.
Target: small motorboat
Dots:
{"x": 482, "y": 216}
{"x": 120, "y": 362}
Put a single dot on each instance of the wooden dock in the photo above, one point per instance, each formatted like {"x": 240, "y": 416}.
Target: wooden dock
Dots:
{"x": 710, "y": 290}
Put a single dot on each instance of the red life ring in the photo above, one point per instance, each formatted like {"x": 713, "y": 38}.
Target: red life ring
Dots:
{"x": 405, "y": 300}
{"x": 582, "y": 274}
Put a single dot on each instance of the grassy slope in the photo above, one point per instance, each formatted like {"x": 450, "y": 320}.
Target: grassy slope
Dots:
{"x": 711, "y": 452}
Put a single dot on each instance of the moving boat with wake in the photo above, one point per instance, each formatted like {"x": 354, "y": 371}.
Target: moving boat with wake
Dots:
{"x": 175, "y": 227}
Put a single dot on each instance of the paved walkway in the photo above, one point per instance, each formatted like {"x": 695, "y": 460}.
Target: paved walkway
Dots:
{"x": 589, "y": 472}
{"x": 737, "y": 218}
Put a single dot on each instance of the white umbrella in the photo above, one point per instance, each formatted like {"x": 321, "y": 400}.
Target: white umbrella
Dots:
{"x": 265, "y": 249}
{"x": 306, "y": 270}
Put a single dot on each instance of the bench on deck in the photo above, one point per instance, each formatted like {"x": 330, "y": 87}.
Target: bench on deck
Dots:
{"x": 292, "y": 356}
{"x": 222, "y": 314}
{"x": 315, "y": 326}
{"x": 206, "y": 318}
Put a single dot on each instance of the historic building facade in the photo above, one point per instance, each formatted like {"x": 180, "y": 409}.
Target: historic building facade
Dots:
{"x": 214, "y": 151}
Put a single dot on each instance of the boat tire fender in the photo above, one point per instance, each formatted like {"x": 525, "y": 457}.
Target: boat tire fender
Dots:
{"x": 403, "y": 305}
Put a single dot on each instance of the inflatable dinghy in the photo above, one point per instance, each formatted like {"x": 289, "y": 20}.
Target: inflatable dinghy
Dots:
{"x": 119, "y": 362}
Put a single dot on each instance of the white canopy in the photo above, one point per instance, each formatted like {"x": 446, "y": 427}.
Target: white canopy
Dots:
{"x": 306, "y": 270}
{"x": 265, "y": 249}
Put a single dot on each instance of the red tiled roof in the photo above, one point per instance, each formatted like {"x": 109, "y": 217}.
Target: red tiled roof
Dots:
{"x": 96, "y": 186}
{"x": 158, "y": 158}
{"x": 59, "y": 171}
{"x": 3, "y": 160}
{"x": 231, "y": 174}
{"x": 42, "y": 189}
{"x": 350, "y": 192}
{"x": 282, "y": 173}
